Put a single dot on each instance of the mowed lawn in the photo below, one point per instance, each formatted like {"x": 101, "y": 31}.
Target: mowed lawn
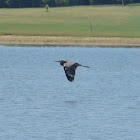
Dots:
{"x": 96, "y": 21}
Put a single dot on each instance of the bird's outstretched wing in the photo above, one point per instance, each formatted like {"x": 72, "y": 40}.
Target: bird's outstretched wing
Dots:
{"x": 70, "y": 73}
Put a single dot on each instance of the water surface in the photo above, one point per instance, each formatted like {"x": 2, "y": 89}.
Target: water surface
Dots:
{"x": 37, "y": 102}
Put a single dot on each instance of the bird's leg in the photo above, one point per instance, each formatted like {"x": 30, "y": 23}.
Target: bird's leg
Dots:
{"x": 85, "y": 66}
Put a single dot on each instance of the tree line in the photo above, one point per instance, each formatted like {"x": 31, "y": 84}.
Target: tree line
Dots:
{"x": 56, "y": 3}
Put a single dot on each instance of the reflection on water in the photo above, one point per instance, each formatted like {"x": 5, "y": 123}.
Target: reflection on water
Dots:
{"x": 37, "y": 102}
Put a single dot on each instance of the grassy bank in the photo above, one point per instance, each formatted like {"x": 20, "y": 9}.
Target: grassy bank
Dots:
{"x": 92, "y": 25}
{"x": 69, "y": 40}
{"x": 106, "y": 21}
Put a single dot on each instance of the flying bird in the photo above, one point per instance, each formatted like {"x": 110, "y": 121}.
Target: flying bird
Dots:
{"x": 69, "y": 68}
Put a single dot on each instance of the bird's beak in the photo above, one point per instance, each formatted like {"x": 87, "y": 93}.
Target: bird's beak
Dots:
{"x": 57, "y": 61}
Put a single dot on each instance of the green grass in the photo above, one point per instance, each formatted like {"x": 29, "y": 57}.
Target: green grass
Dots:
{"x": 134, "y": 4}
{"x": 107, "y": 21}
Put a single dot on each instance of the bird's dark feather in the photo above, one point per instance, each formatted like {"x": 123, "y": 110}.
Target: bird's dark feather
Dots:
{"x": 70, "y": 73}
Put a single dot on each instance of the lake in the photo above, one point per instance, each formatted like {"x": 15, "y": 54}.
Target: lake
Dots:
{"x": 37, "y": 102}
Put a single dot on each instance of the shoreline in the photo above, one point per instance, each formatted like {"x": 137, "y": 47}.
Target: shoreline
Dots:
{"x": 68, "y": 40}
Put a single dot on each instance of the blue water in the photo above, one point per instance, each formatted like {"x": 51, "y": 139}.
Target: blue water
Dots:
{"x": 37, "y": 102}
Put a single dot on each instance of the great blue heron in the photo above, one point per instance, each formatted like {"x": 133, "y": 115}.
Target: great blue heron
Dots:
{"x": 69, "y": 68}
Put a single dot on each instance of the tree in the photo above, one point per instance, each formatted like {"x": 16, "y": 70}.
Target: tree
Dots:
{"x": 44, "y": 1}
{"x": 91, "y": 2}
{"x": 47, "y": 7}
{"x": 49, "y": 2}
{"x": 7, "y": 2}
{"x": 53, "y": 3}
{"x": 84, "y": 2}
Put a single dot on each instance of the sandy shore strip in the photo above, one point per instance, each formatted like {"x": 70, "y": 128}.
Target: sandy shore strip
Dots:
{"x": 69, "y": 40}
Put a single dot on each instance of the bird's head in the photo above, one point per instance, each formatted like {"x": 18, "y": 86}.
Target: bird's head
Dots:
{"x": 61, "y": 62}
